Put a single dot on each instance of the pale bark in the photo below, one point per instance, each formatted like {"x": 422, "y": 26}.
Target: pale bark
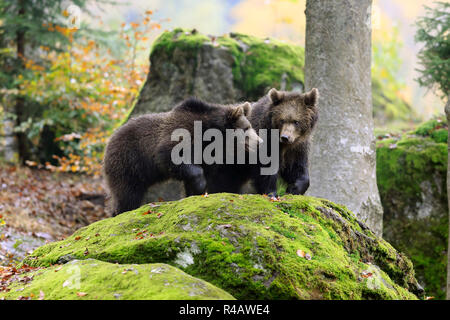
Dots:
{"x": 338, "y": 61}
{"x": 447, "y": 112}
{"x": 9, "y": 140}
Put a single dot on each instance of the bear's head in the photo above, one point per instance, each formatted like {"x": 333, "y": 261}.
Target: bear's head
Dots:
{"x": 238, "y": 119}
{"x": 294, "y": 114}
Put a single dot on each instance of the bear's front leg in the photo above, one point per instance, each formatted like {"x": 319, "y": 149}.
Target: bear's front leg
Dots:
{"x": 299, "y": 186}
{"x": 193, "y": 178}
{"x": 295, "y": 172}
{"x": 266, "y": 184}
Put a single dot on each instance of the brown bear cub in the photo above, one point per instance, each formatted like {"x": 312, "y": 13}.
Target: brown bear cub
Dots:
{"x": 294, "y": 115}
{"x": 139, "y": 154}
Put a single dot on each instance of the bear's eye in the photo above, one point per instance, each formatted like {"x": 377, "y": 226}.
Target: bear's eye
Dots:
{"x": 297, "y": 123}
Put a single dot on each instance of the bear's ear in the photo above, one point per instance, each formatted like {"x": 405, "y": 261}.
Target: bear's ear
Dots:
{"x": 312, "y": 98}
{"x": 247, "y": 107}
{"x": 275, "y": 96}
{"x": 236, "y": 112}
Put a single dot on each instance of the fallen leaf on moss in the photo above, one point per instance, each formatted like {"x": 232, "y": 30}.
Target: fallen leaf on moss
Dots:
{"x": 301, "y": 253}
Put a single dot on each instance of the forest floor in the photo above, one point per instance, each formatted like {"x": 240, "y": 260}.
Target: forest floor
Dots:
{"x": 38, "y": 206}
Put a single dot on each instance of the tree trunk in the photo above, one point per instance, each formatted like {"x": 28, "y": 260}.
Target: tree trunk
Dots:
{"x": 338, "y": 61}
{"x": 447, "y": 113}
{"x": 9, "y": 139}
{"x": 19, "y": 106}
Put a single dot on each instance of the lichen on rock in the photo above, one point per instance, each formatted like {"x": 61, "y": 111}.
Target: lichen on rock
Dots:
{"x": 251, "y": 247}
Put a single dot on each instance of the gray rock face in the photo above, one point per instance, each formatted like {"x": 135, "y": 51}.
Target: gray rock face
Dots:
{"x": 206, "y": 74}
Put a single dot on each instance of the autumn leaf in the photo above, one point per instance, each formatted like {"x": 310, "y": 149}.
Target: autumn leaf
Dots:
{"x": 301, "y": 253}
{"x": 81, "y": 294}
{"x": 366, "y": 274}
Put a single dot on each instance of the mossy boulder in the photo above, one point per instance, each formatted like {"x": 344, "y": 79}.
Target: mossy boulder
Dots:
{"x": 411, "y": 176}
{"x": 225, "y": 69}
{"x": 93, "y": 280}
{"x": 250, "y": 246}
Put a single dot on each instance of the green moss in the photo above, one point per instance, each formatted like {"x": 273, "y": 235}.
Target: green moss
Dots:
{"x": 106, "y": 281}
{"x": 179, "y": 39}
{"x": 402, "y": 164}
{"x": 435, "y": 128}
{"x": 426, "y": 128}
{"x": 411, "y": 176}
{"x": 440, "y": 135}
{"x": 248, "y": 246}
{"x": 264, "y": 64}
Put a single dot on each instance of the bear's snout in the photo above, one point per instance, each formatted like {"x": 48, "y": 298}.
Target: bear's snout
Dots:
{"x": 284, "y": 138}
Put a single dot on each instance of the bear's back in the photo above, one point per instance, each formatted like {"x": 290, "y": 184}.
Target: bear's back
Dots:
{"x": 195, "y": 105}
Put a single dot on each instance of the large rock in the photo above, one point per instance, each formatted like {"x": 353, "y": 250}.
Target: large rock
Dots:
{"x": 252, "y": 247}
{"x": 411, "y": 174}
{"x": 97, "y": 280}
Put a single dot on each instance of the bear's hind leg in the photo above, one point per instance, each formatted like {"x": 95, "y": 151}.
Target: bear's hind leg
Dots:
{"x": 129, "y": 199}
{"x": 266, "y": 184}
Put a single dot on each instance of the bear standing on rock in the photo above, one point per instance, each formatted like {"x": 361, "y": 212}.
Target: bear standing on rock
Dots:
{"x": 294, "y": 115}
{"x": 139, "y": 154}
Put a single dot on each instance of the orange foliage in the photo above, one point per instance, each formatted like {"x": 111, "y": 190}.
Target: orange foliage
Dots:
{"x": 88, "y": 92}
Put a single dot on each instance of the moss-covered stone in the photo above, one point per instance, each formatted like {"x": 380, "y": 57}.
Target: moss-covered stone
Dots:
{"x": 254, "y": 248}
{"x": 259, "y": 64}
{"x": 411, "y": 176}
{"x": 97, "y": 280}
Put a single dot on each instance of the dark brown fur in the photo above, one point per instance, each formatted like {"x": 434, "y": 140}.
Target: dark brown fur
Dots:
{"x": 138, "y": 154}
